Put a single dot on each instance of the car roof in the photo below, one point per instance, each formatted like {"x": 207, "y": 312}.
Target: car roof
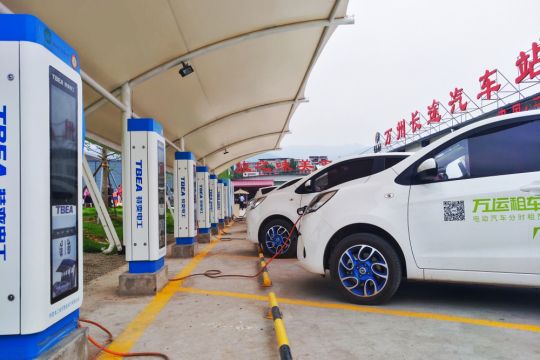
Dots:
{"x": 466, "y": 127}
{"x": 352, "y": 157}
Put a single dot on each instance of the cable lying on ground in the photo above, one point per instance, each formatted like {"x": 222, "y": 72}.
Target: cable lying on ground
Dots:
{"x": 215, "y": 274}
{"x": 110, "y": 338}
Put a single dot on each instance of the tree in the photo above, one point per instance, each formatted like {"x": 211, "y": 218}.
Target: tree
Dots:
{"x": 104, "y": 156}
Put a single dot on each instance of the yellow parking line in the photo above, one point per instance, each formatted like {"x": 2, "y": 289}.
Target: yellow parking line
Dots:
{"x": 232, "y": 256}
{"x": 371, "y": 309}
{"x": 136, "y": 328}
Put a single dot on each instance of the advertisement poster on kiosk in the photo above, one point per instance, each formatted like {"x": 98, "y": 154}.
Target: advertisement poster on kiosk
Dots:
{"x": 64, "y": 183}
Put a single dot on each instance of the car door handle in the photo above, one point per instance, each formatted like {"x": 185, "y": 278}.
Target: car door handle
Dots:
{"x": 533, "y": 188}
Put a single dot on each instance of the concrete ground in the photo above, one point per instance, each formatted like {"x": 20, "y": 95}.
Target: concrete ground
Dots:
{"x": 204, "y": 318}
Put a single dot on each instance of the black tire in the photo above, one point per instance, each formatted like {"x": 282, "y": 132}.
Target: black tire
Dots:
{"x": 288, "y": 251}
{"x": 386, "y": 254}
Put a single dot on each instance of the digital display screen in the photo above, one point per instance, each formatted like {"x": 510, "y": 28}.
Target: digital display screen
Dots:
{"x": 64, "y": 185}
{"x": 161, "y": 193}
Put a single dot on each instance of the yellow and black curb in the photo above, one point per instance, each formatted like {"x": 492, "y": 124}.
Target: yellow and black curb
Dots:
{"x": 265, "y": 276}
{"x": 279, "y": 327}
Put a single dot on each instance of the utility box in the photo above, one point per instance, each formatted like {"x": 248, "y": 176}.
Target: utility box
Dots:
{"x": 185, "y": 229}
{"x": 212, "y": 191}
{"x": 203, "y": 204}
{"x": 41, "y": 141}
{"x": 146, "y": 244}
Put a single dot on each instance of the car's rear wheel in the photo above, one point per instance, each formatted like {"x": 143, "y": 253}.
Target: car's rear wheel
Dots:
{"x": 274, "y": 235}
{"x": 365, "y": 268}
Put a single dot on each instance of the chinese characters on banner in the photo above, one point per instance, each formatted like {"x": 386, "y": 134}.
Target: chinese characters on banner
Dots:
{"x": 528, "y": 68}
{"x": 281, "y": 166}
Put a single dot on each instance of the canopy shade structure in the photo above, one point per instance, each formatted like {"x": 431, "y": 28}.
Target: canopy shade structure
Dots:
{"x": 251, "y": 61}
{"x": 241, "y": 192}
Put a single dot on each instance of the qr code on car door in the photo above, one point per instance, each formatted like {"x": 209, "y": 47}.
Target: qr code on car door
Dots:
{"x": 454, "y": 210}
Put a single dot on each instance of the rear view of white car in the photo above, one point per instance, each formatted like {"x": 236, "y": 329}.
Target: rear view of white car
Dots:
{"x": 465, "y": 209}
{"x": 271, "y": 217}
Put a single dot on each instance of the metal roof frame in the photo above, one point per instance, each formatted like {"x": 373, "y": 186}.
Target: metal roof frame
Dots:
{"x": 240, "y": 142}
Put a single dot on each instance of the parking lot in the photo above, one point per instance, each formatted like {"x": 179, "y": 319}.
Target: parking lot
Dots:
{"x": 225, "y": 318}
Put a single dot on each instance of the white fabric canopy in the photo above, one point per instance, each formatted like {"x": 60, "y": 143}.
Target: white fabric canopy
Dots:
{"x": 251, "y": 59}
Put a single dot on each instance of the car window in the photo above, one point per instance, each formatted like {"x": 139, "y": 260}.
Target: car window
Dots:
{"x": 340, "y": 173}
{"x": 504, "y": 150}
{"x": 392, "y": 160}
{"x": 511, "y": 150}
{"x": 267, "y": 190}
{"x": 287, "y": 184}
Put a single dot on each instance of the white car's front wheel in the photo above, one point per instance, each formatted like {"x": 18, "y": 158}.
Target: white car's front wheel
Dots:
{"x": 277, "y": 237}
{"x": 366, "y": 268}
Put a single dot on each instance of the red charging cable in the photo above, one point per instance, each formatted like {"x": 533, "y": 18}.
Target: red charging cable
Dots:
{"x": 215, "y": 274}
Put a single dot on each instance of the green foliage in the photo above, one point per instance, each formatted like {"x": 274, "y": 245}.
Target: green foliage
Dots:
{"x": 94, "y": 238}
{"x": 226, "y": 174}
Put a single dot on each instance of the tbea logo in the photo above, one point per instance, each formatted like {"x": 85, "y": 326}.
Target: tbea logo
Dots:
{"x": 3, "y": 141}
{"x": 64, "y": 209}
{"x": 138, "y": 175}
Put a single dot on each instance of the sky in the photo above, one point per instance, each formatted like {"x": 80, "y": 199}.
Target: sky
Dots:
{"x": 399, "y": 56}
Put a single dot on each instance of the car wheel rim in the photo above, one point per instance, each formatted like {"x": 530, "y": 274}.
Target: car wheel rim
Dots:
{"x": 363, "y": 270}
{"x": 275, "y": 237}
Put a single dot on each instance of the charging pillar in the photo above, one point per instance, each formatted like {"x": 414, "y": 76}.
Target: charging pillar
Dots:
{"x": 226, "y": 215}
{"x": 220, "y": 208}
{"x": 184, "y": 205}
{"x": 41, "y": 111}
{"x": 231, "y": 200}
{"x": 147, "y": 243}
{"x": 212, "y": 192}
{"x": 203, "y": 215}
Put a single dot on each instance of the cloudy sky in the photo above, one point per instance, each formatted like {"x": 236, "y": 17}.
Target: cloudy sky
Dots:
{"x": 400, "y": 55}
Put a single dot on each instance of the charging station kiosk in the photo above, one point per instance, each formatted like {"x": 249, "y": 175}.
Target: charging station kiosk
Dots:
{"x": 220, "y": 208}
{"x": 146, "y": 242}
{"x": 226, "y": 200}
{"x": 185, "y": 229}
{"x": 231, "y": 200}
{"x": 203, "y": 215}
{"x": 41, "y": 114}
{"x": 212, "y": 192}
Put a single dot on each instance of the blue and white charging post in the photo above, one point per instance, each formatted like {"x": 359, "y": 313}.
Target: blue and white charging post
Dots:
{"x": 212, "y": 192}
{"x": 203, "y": 215}
{"x": 231, "y": 200}
{"x": 220, "y": 207}
{"x": 146, "y": 240}
{"x": 226, "y": 201}
{"x": 185, "y": 229}
{"x": 41, "y": 142}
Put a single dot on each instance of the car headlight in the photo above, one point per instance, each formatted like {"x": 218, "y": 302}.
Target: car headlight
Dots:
{"x": 257, "y": 202}
{"x": 319, "y": 201}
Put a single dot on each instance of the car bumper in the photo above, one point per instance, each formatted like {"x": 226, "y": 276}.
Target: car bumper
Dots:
{"x": 315, "y": 233}
{"x": 252, "y": 227}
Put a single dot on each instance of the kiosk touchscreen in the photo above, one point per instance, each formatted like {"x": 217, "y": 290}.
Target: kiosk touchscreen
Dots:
{"x": 40, "y": 187}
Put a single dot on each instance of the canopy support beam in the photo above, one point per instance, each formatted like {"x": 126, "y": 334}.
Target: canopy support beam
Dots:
{"x": 236, "y": 40}
{"x": 244, "y": 156}
{"x": 243, "y": 112}
{"x": 240, "y": 142}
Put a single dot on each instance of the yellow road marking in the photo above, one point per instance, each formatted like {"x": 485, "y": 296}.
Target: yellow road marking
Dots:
{"x": 371, "y": 309}
{"x": 233, "y": 256}
{"x": 135, "y": 329}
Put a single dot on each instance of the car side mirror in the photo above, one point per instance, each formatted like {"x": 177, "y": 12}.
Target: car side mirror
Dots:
{"x": 307, "y": 185}
{"x": 302, "y": 210}
{"x": 427, "y": 170}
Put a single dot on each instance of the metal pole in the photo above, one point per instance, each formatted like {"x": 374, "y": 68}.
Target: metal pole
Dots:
{"x": 101, "y": 209}
{"x": 182, "y": 144}
{"x": 126, "y": 184}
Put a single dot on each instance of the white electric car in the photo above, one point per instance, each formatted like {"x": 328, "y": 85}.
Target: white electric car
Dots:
{"x": 465, "y": 209}
{"x": 271, "y": 217}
